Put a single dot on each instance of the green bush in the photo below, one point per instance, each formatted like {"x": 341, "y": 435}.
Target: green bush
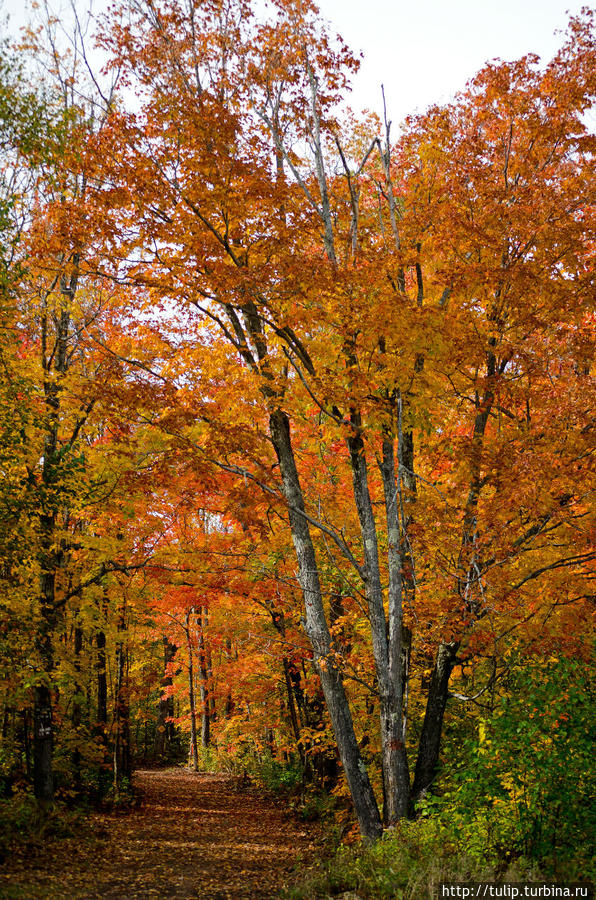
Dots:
{"x": 525, "y": 785}
{"x": 209, "y": 760}
{"x": 276, "y": 776}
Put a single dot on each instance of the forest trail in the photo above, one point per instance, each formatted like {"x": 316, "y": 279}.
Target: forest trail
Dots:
{"x": 192, "y": 836}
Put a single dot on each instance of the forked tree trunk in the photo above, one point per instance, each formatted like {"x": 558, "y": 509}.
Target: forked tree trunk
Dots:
{"x": 394, "y": 762}
{"x": 317, "y": 630}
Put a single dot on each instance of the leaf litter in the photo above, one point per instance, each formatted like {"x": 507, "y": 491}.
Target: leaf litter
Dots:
{"x": 191, "y": 836}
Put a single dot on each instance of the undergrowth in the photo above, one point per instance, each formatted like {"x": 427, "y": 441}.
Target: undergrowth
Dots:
{"x": 408, "y": 863}
{"x": 24, "y": 822}
{"x": 514, "y": 803}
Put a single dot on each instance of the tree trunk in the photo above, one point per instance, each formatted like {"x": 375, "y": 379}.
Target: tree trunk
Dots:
{"x": 50, "y": 555}
{"x": 122, "y": 757}
{"x": 102, "y": 682}
{"x": 292, "y": 705}
{"x": 101, "y": 671}
{"x": 164, "y": 732}
{"x": 430, "y": 739}
{"x": 280, "y": 626}
{"x": 317, "y": 630}
{"x": 27, "y": 741}
{"x": 407, "y": 496}
{"x": 211, "y": 685}
{"x": 43, "y": 727}
{"x": 43, "y": 775}
{"x": 193, "y": 756}
{"x": 386, "y": 637}
{"x": 77, "y": 712}
{"x": 203, "y": 684}
{"x": 398, "y": 779}
{"x": 5, "y": 719}
{"x": 230, "y": 705}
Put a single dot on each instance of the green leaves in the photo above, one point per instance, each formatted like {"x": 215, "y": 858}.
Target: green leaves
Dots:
{"x": 522, "y": 784}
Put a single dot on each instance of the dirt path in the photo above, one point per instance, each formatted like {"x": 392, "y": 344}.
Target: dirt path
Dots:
{"x": 191, "y": 837}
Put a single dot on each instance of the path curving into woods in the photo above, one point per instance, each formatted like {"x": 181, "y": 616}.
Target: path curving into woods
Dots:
{"x": 192, "y": 836}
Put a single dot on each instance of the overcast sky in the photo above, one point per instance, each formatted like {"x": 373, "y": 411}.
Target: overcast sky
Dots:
{"x": 423, "y": 51}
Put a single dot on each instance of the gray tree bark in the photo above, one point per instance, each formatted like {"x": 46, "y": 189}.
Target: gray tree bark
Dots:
{"x": 387, "y": 656}
{"x": 317, "y": 629}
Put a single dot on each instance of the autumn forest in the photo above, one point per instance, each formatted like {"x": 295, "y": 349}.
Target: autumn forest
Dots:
{"x": 296, "y": 431}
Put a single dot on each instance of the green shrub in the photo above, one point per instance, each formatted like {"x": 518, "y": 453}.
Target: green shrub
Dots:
{"x": 209, "y": 759}
{"x": 523, "y": 785}
{"x": 276, "y": 776}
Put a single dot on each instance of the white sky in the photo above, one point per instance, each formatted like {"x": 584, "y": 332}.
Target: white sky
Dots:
{"x": 423, "y": 51}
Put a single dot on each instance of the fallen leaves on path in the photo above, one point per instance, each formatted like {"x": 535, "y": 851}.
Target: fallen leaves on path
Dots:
{"x": 192, "y": 836}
